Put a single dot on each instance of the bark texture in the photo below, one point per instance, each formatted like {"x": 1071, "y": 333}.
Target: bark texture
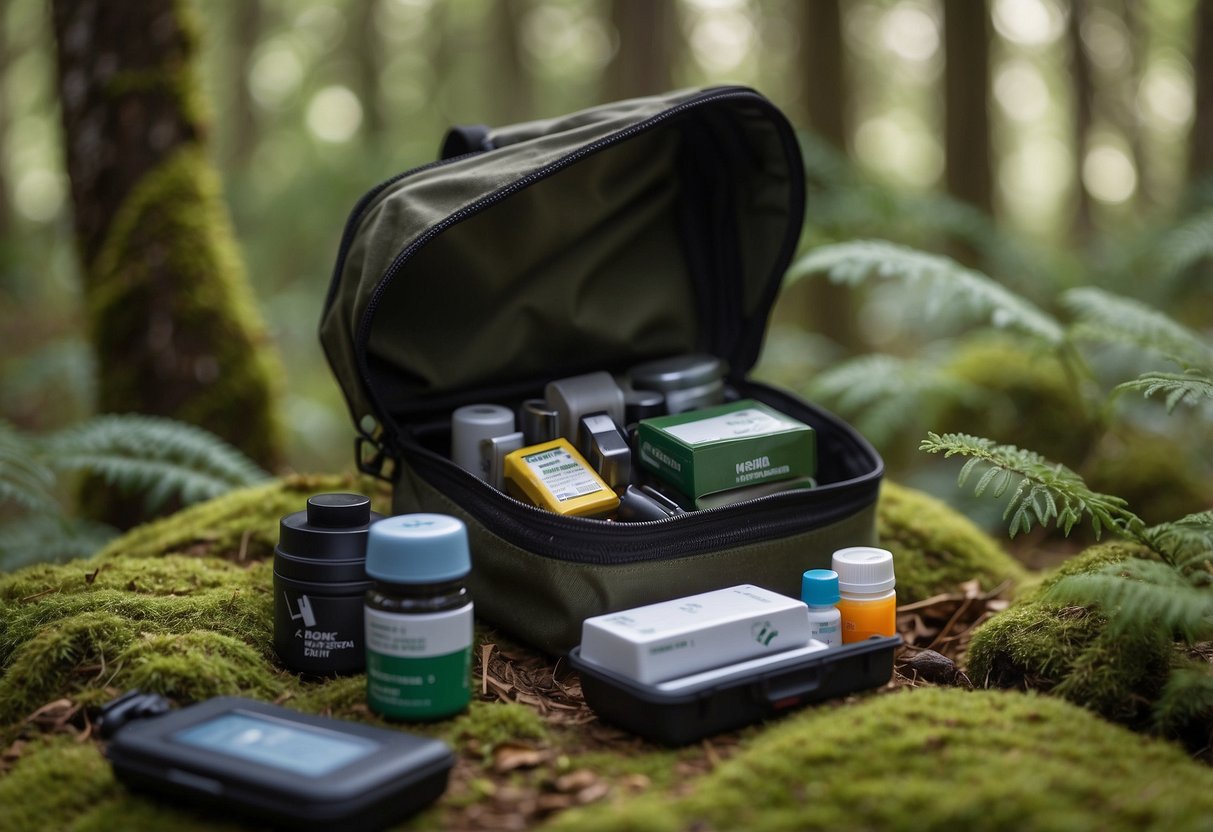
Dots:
{"x": 644, "y": 62}
{"x": 823, "y": 72}
{"x": 1083, "y": 87}
{"x": 171, "y": 314}
{"x": 967, "y": 92}
{"x": 1201, "y": 142}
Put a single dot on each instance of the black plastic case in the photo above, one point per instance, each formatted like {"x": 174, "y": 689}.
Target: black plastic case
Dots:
{"x": 694, "y": 711}
{"x": 406, "y": 774}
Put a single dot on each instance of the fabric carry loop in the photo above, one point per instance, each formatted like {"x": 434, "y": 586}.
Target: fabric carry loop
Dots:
{"x": 462, "y": 139}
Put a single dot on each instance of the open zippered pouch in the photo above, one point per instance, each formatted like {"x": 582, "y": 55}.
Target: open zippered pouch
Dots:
{"x": 625, "y": 233}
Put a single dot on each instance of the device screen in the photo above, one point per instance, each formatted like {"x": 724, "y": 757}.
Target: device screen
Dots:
{"x": 300, "y": 749}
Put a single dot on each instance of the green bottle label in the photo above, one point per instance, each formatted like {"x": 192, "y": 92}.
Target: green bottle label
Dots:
{"x": 418, "y": 666}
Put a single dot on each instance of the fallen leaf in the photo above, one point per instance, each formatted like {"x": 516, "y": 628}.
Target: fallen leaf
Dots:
{"x": 575, "y": 781}
{"x": 509, "y": 757}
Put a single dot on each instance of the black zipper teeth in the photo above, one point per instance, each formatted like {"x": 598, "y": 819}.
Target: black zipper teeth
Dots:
{"x": 363, "y": 335}
{"x": 361, "y": 207}
{"x": 696, "y": 532}
{"x": 567, "y": 538}
{"x": 550, "y": 534}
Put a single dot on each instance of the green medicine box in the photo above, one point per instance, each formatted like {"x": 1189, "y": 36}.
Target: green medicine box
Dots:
{"x": 729, "y": 446}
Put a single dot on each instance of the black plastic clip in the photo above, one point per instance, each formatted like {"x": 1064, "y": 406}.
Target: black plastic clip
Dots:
{"x": 132, "y": 705}
{"x": 372, "y": 458}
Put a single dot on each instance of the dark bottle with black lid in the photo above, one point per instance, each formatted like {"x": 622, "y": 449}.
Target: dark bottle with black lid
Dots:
{"x": 320, "y": 583}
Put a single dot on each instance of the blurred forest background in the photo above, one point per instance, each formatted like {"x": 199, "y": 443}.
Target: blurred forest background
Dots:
{"x": 1050, "y": 144}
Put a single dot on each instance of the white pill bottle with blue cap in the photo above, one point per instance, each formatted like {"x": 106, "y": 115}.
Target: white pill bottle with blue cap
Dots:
{"x": 418, "y": 617}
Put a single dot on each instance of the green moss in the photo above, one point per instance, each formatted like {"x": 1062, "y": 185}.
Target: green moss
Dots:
{"x": 492, "y": 723}
{"x": 178, "y": 624}
{"x": 1047, "y": 645}
{"x": 53, "y": 782}
{"x": 53, "y": 663}
{"x": 1089, "y": 560}
{"x": 934, "y": 759}
{"x": 1157, "y": 475}
{"x": 935, "y": 548}
{"x": 197, "y": 665}
{"x": 241, "y": 525}
{"x": 173, "y": 594}
{"x": 184, "y": 624}
{"x": 136, "y": 813}
{"x": 170, "y": 255}
{"x": 343, "y": 697}
{"x": 59, "y": 783}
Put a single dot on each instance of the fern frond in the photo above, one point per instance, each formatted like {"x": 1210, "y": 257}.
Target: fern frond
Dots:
{"x": 1185, "y": 245}
{"x": 947, "y": 282}
{"x": 38, "y": 538}
{"x": 1186, "y": 543}
{"x": 24, "y": 479}
{"x": 1103, "y": 316}
{"x": 878, "y": 391}
{"x": 1045, "y": 492}
{"x": 1186, "y": 697}
{"x": 1193, "y": 387}
{"x": 159, "y": 457}
{"x": 1141, "y": 595}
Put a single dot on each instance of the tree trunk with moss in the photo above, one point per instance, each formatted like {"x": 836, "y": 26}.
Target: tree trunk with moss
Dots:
{"x": 172, "y": 317}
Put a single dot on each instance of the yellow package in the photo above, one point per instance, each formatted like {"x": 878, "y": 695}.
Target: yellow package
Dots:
{"x": 552, "y": 475}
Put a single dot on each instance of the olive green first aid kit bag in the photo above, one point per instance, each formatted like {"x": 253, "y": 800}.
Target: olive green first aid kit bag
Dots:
{"x": 625, "y": 233}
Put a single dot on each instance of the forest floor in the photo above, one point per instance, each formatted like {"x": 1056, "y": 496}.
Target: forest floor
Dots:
{"x": 516, "y": 785}
{"x": 505, "y": 780}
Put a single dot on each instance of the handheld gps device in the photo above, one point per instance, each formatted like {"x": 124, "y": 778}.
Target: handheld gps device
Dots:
{"x": 275, "y": 764}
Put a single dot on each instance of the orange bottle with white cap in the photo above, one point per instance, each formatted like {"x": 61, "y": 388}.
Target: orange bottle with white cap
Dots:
{"x": 867, "y": 599}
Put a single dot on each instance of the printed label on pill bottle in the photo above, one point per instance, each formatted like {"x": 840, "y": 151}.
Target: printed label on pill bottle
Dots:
{"x": 419, "y": 666}
{"x": 561, "y": 474}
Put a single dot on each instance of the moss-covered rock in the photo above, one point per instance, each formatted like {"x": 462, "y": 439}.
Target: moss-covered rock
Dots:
{"x": 61, "y": 783}
{"x": 1049, "y": 645}
{"x": 241, "y": 526}
{"x": 1033, "y": 403}
{"x": 935, "y": 548}
{"x": 934, "y": 759}
{"x": 183, "y": 606}
{"x": 183, "y": 626}
{"x": 1158, "y": 475}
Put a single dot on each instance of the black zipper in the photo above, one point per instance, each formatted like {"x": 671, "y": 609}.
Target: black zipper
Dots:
{"x": 362, "y": 335}
{"x": 585, "y": 540}
{"x": 355, "y": 218}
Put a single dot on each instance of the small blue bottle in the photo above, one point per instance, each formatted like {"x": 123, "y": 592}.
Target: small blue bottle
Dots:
{"x": 819, "y": 589}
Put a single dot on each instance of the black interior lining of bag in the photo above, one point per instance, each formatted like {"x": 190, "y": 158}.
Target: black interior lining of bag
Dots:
{"x": 849, "y": 478}
{"x": 638, "y": 258}
{"x": 571, "y": 274}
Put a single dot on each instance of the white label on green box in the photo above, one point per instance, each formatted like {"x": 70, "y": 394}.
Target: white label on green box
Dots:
{"x": 739, "y": 444}
{"x": 561, "y": 474}
{"x": 735, "y": 425}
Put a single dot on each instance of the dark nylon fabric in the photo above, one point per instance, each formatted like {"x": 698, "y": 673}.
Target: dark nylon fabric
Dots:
{"x": 543, "y": 600}
{"x": 671, "y": 240}
{"x": 583, "y": 269}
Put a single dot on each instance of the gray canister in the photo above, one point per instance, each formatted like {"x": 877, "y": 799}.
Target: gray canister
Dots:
{"x": 320, "y": 582}
{"x": 689, "y": 382}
